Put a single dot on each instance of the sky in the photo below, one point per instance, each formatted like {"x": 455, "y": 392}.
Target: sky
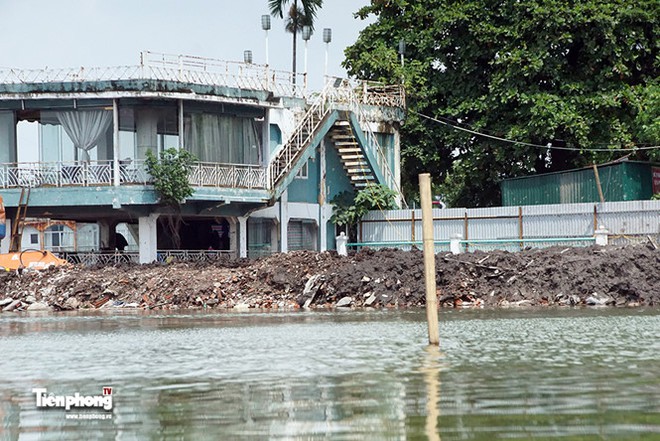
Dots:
{"x": 89, "y": 33}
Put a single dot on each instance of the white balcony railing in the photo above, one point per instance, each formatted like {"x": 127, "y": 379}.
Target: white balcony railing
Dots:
{"x": 101, "y": 173}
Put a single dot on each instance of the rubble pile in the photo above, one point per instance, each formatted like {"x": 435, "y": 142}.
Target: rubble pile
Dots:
{"x": 618, "y": 276}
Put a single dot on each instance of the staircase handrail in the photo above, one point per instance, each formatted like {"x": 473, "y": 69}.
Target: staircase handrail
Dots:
{"x": 298, "y": 138}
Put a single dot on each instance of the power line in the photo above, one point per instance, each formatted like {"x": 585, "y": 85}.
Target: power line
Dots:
{"x": 548, "y": 146}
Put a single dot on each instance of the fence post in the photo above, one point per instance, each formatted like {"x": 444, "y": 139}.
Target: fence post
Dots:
{"x": 595, "y": 217}
{"x": 520, "y": 227}
{"x": 412, "y": 230}
{"x": 465, "y": 232}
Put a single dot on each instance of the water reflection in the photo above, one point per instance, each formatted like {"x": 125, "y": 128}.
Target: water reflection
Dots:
{"x": 431, "y": 371}
{"x": 357, "y": 375}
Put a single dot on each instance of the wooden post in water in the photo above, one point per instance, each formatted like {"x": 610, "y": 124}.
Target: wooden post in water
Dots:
{"x": 429, "y": 258}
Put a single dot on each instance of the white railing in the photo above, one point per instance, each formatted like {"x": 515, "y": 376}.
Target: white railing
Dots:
{"x": 369, "y": 93}
{"x": 134, "y": 172}
{"x": 207, "y": 174}
{"x": 166, "y": 67}
{"x": 56, "y": 174}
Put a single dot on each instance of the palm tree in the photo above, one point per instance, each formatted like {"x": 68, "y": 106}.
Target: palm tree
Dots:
{"x": 298, "y": 17}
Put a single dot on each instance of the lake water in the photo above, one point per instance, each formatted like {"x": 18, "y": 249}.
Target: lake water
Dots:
{"x": 583, "y": 374}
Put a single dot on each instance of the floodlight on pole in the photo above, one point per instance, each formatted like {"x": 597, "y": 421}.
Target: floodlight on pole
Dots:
{"x": 327, "y": 38}
{"x": 265, "y": 25}
{"x": 306, "y": 35}
{"x": 402, "y": 49}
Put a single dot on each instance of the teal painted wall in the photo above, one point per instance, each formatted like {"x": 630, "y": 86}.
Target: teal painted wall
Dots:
{"x": 307, "y": 190}
{"x": 275, "y": 137}
{"x": 335, "y": 176}
{"x": 336, "y": 182}
{"x": 332, "y": 243}
{"x": 386, "y": 142}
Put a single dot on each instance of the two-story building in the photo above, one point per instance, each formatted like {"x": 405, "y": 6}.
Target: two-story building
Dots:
{"x": 270, "y": 155}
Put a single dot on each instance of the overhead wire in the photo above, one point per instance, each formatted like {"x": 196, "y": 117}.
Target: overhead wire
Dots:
{"x": 547, "y": 146}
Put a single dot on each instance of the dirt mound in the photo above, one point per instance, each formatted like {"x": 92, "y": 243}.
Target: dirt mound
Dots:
{"x": 551, "y": 276}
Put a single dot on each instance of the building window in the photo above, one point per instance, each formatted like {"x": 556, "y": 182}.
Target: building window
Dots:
{"x": 303, "y": 173}
{"x": 34, "y": 239}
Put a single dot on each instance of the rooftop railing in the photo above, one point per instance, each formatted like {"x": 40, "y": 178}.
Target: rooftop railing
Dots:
{"x": 204, "y": 71}
{"x": 166, "y": 67}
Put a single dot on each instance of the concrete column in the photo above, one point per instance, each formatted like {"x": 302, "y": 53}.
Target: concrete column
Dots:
{"x": 323, "y": 222}
{"x": 181, "y": 125}
{"x": 115, "y": 143}
{"x": 106, "y": 229}
{"x": 265, "y": 139}
{"x": 601, "y": 236}
{"x": 455, "y": 244}
{"x": 146, "y": 125}
{"x": 7, "y": 136}
{"x": 397, "y": 162}
{"x": 148, "y": 235}
{"x": 242, "y": 236}
{"x": 284, "y": 221}
{"x": 4, "y": 243}
{"x": 233, "y": 235}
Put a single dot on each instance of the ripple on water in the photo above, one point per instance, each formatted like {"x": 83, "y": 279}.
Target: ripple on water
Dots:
{"x": 569, "y": 374}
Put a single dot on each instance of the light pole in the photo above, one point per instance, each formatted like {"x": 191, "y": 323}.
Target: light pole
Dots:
{"x": 247, "y": 57}
{"x": 327, "y": 38}
{"x": 306, "y": 35}
{"x": 402, "y": 51}
{"x": 265, "y": 25}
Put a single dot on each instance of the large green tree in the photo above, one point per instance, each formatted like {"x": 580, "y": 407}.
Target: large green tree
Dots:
{"x": 301, "y": 13}
{"x": 581, "y": 75}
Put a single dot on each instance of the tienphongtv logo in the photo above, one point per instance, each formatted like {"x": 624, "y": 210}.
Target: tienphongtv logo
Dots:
{"x": 45, "y": 400}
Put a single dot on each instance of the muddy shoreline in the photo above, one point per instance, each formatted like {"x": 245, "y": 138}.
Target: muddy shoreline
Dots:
{"x": 595, "y": 276}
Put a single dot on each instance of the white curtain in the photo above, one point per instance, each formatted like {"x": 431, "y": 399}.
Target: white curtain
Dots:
{"x": 223, "y": 139}
{"x": 85, "y": 127}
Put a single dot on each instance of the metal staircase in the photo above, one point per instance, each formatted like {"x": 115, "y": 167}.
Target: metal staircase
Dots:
{"x": 351, "y": 156}
{"x": 357, "y": 145}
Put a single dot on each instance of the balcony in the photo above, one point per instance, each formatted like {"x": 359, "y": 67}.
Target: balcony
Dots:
{"x": 120, "y": 173}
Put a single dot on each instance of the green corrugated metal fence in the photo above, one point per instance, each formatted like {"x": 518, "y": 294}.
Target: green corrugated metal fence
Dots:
{"x": 624, "y": 181}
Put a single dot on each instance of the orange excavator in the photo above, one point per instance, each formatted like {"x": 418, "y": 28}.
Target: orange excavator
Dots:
{"x": 16, "y": 259}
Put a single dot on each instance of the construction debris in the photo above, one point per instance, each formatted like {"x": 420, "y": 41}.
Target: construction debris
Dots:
{"x": 625, "y": 276}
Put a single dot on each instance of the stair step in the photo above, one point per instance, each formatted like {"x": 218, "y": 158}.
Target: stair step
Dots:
{"x": 349, "y": 150}
{"x": 362, "y": 178}
{"x": 351, "y": 157}
{"x": 358, "y": 171}
{"x": 355, "y": 163}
